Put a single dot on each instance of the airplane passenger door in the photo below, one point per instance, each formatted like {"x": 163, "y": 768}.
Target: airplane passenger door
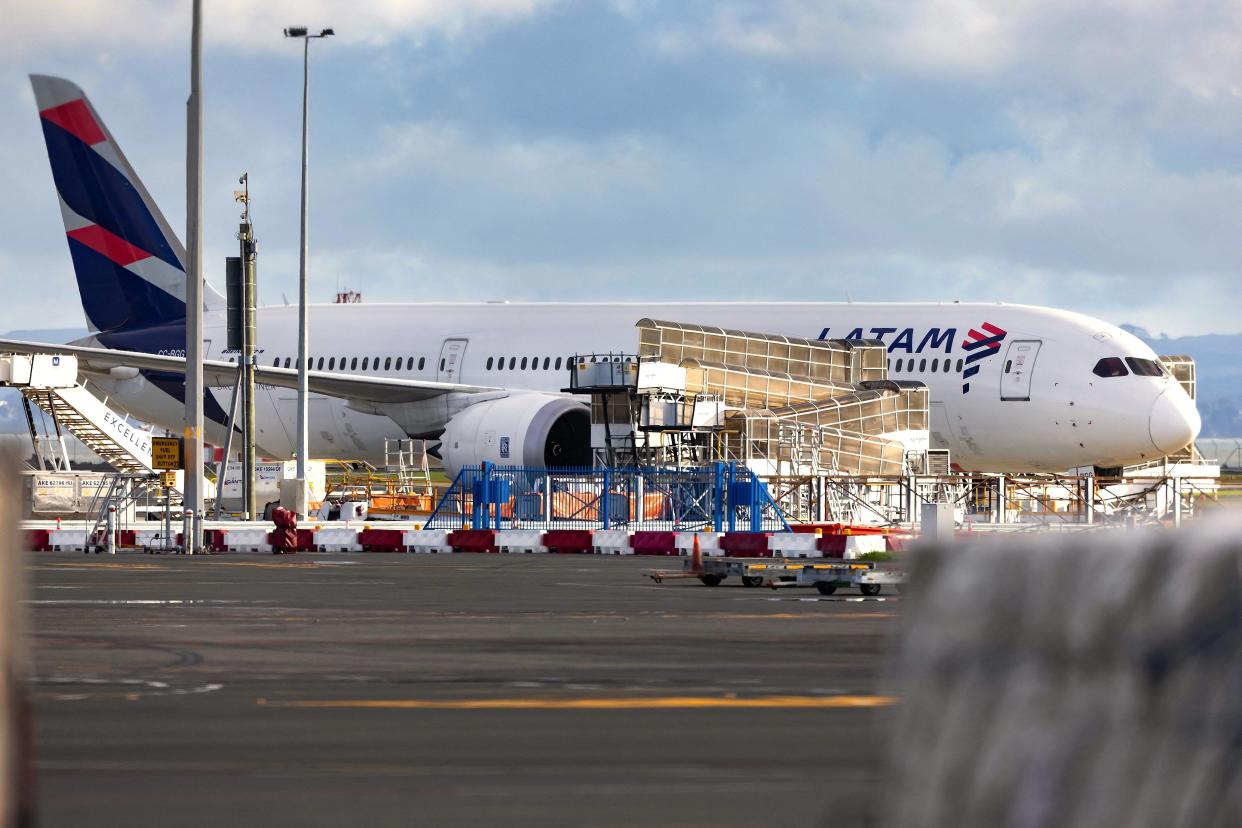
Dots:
{"x": 452, "y": 352}
{"x": 1018, "y": 368}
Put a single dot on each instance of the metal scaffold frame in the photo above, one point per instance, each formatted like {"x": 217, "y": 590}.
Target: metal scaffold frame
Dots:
{"x": 694, "y": 394}
{"x": 721, "y": 496}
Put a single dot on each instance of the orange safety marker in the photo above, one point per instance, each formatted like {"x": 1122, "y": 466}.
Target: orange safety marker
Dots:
{"x": 696, "y": 556}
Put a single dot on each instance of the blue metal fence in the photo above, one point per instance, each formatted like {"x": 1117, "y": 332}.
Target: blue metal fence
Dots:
{"x": 723, "y": 497}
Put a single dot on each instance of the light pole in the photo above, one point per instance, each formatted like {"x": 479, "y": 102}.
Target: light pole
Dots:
{"x": 303, "y": 326}
{"x": 192, "y": 500}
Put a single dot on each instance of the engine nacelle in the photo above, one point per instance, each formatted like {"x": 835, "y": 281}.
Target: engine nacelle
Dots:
{"x": 524, "y": 429}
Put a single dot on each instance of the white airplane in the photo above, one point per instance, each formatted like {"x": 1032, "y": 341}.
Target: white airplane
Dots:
{"x": 1014, "y": 388}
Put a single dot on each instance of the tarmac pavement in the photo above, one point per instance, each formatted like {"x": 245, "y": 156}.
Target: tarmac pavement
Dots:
{"x": 449, "y": 690}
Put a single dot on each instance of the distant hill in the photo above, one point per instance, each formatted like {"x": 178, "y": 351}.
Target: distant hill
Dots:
{"x": 1218, "y": 370}
{"x": 58, "y": 336}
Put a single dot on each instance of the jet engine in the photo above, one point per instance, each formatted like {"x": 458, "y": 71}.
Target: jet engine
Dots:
{"x": 525, "y": 429}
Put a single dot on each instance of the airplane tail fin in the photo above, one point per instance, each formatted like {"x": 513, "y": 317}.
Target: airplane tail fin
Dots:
{"x": 130, "y": 265}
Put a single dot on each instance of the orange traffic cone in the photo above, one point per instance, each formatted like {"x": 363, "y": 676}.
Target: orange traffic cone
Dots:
{"x": 696, "y": 555}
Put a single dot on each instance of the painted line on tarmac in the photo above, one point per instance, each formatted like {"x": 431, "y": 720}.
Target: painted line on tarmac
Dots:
{"x": 649, "y": 703}
{"x": 282, "y": 564}
{"x": 215, "y": 562}
{"x": 775, "y": 616}
{"x": 140, "y": 602}
{"x": 100, "y": 565}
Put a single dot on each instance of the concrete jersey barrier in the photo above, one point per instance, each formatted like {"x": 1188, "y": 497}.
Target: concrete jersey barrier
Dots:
{"x": 796, "y": 545}
{"x": 526, "y": 541}
{"x": 427, "y": 541}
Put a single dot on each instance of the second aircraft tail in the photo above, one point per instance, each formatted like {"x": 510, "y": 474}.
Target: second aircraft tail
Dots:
{"x": 130, "y": 265}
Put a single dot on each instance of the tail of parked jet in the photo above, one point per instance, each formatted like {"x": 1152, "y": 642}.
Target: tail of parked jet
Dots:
{"x": 129, "y": 263}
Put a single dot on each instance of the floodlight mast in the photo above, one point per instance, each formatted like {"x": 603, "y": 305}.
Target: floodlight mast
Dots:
{"x": 303, "y": 448}
{"x": 193, "y": 433}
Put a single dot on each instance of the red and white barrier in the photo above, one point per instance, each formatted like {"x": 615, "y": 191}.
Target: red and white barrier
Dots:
{"x": 337, "y": 539}
{"x": 250, "y": 539}
{"x": 473, "y": 540}
{"x": 427, "y": 541}
{"x": 67, "y": 539}
{"x": 746, "y": 545}
{"x": 851, "y": 546}
{"x": 574, "y": 541}
{"x": 794, "y": 545}
{"x": 520, "y": 541}
{"x": 709, "y": 544}
{"x": 381, "y": 540}
{"x": 654, "y": 543}
{"x": 360, "y": 537}
{"x": 154, "y": 539}
{"x": 611, "y": 542}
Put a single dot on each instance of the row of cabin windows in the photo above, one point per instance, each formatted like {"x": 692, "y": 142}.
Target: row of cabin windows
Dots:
{"x": 908, "y": 365}
{"x": 532, "y": 363}
{"x": 352, "y": 364}
{"x": 522, "y": 364}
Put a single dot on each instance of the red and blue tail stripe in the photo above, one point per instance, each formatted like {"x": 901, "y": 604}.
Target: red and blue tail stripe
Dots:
{"x": 128, "y": 262}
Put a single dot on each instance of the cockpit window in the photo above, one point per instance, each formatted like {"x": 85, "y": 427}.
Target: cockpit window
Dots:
{"x": 1110, "y": 367}
{"x": 1145, "y": 367}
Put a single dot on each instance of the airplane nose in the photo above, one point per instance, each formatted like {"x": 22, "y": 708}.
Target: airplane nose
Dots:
{"x": 1174, "y": 421}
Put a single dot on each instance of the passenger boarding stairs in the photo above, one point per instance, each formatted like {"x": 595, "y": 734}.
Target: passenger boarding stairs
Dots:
{"x": 407, "y": 459}
{"x": 50, "y": 381}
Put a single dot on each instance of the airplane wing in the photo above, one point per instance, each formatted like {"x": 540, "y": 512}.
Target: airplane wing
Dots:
{"x": 372, "y": 389}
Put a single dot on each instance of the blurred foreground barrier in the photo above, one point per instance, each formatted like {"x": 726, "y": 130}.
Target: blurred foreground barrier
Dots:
{"x": 1082, "y": 680}
{"x": 16, "y": 728}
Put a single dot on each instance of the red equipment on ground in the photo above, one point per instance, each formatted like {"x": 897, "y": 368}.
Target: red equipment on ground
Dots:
{"x": 285, "y": 538}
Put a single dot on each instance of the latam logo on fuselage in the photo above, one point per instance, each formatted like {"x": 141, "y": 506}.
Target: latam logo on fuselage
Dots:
{"x": 936, "y": 339}
{"x": 977, "y": 345}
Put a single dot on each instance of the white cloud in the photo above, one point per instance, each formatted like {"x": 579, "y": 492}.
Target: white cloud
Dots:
{"x": 538, "y": 170}
{"x": 1144, "y": 60}
{"x": 124, "y": 26}
{"x": 43, "y": 291}
{"x": 815, "y": 210}
{"x": 954, "y": 35}
{"x": 1102, "y": 177}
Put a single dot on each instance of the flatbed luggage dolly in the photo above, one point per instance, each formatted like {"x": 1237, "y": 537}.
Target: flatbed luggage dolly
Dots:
{"x": 777, "y": 573}
{"x": 827, "y": 578}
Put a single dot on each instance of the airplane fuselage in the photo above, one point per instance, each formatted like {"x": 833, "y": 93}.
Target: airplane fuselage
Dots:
{"x": 1013, "y": 388}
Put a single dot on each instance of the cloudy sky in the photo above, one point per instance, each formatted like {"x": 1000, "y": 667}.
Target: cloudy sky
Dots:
{"x": 1082, "y": 155}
